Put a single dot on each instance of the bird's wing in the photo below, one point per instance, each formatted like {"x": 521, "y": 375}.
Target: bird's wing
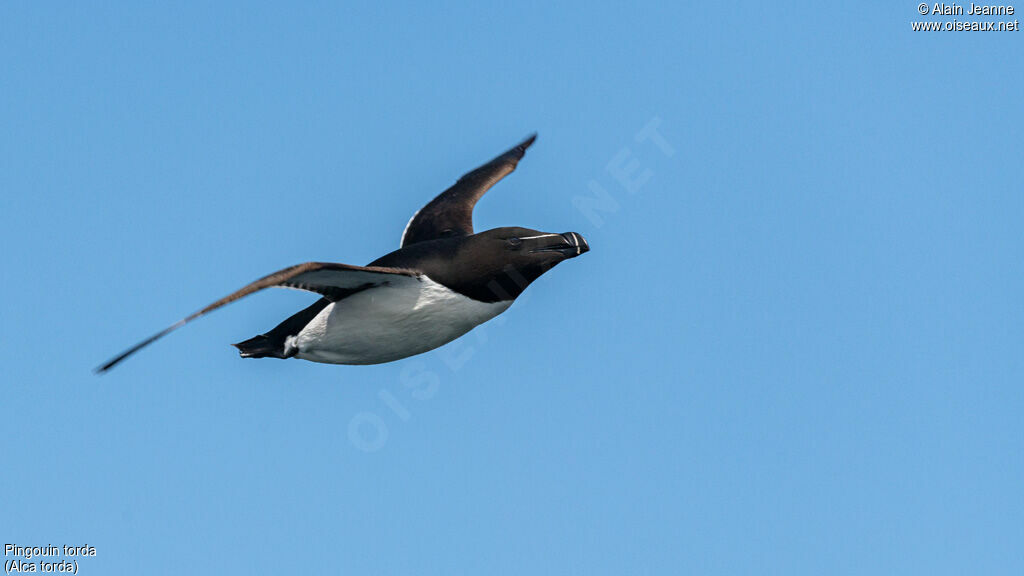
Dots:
{"x": 451, "y": 213}
{"x": 333, "y": 281}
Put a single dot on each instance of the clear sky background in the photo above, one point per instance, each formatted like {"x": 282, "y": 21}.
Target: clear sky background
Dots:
{"x": 795, "y": 347}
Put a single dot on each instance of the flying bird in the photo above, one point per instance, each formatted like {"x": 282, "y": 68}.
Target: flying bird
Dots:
{"x": 442, "y": 282}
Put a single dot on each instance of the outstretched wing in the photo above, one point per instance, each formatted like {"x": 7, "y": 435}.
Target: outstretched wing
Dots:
{"x": 333, "y": 281}
{"x": 451, "y": 213}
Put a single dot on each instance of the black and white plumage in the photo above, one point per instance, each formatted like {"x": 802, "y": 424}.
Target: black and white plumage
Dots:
{"x": 441, "y": 283}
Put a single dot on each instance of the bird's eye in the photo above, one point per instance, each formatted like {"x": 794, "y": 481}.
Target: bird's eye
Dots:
{"x": 514, "y": 243}
{"x": 447, "y": 233}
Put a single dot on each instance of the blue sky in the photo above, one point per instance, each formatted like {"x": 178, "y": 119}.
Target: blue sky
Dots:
{"x": 794, "y": 348}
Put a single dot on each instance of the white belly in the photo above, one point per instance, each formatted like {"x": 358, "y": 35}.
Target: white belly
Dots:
{"x": 390, "y": 322}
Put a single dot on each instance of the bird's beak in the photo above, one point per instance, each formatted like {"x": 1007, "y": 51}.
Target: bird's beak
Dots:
{"x": 569, "y": 244}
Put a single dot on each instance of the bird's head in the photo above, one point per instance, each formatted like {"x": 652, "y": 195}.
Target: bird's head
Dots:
{"x": 509, "y": 259}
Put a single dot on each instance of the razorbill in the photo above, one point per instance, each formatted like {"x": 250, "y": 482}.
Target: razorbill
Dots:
{"x": 442, "y": 282}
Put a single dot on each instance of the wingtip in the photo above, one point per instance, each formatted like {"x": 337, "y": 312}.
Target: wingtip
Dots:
{"x": 101, "y": 370}
{"x": 117, "y": 359}
{"x": 104, "y": 368}
{"x": 528, "y": 141}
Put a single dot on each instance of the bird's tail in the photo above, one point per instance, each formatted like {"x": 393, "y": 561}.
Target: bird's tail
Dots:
{"x": 262, "y": 346}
